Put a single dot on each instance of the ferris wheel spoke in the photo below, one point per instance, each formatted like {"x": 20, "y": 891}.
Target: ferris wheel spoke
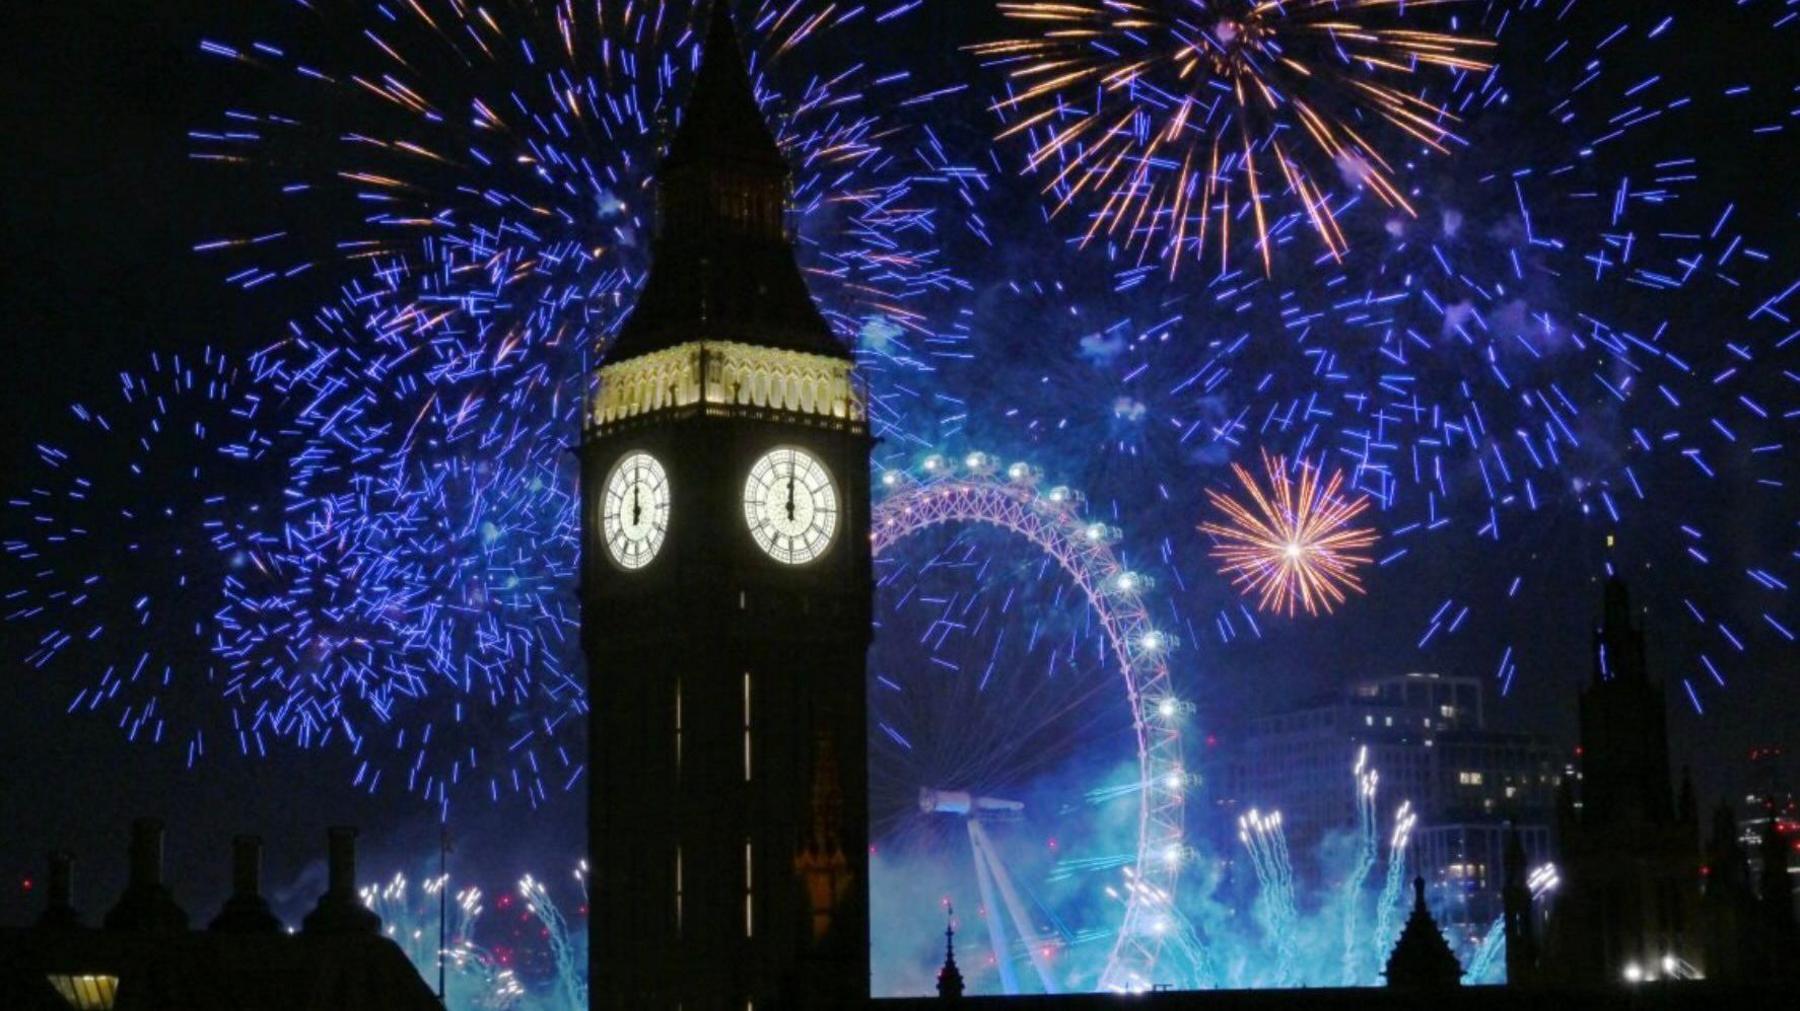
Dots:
{"x": 1075, "y": 690}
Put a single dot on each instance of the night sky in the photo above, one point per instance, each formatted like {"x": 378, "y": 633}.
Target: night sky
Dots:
{"x": 100, "y": 211}
{"x": 97, "y": 111}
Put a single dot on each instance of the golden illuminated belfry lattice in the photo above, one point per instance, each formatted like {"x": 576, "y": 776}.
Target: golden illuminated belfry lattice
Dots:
{"x": 723, "y": 377}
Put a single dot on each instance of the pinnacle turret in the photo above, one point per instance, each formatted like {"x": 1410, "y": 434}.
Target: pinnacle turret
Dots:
{"x": 722, "y": 266}
{"x": 950, "y": 980}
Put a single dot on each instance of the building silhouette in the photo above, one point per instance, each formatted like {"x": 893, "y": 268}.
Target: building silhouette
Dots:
{"x": 1629, "y": 851}
{"x": 950, "y": 978}
{"x": 726, "y": 599}
{"x": 144, "y": 957}
{"x": 1422, "y": 959}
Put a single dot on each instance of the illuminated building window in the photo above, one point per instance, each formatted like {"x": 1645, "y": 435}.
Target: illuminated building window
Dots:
{"x": 746, "y": 726}
{"x": 677, "y": 890}
{"x": 678, "y": 727}
{"x": 749, "y": 893}
{"x": 1469, "y": 778}
{"x": 87, "y": 993}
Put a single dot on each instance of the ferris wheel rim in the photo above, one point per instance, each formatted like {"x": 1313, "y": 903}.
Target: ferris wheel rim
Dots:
{"x": 1054, "y": 524}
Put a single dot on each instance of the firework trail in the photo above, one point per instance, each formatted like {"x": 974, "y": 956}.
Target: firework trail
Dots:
{"x": 1267, "y": 845}
{"x": 117, "y": 558}
{"x": 1367, "y": 850}
{"x": 1538, "y": 364}
{"x": 1388, "y": 914}
{"x": 523, "y": 140}
{"x": 409, "y": 915}
{"x": 1575, "y": 325}
{"x": 406, "y": 594}
{"x": 431, "y": 576}
{"x": 1585, "y": 332}
{"x": 1488, "y": 964}
{"x": 1173, "y": 120}
{"x": 568, "y": 949}
{"x": 405, "y": 912}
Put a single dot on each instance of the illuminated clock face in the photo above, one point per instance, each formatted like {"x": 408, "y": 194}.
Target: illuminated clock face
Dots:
{"x": 634, "y": 515}
{"x": 791, "y": 505}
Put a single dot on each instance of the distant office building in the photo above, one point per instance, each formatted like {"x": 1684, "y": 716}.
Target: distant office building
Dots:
{"x": 1427, "y": 735}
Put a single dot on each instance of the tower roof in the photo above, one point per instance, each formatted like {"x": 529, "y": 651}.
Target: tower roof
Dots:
{"x": 950, "y": 978}
{"x": 1422, "y": 959}
{"x": 721, "y": 120}
{"x": 722, "y": 267}
{"x": 1619, "y": 653}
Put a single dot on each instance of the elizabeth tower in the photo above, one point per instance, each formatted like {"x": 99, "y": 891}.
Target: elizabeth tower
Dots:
{"x": 726, "y": 597}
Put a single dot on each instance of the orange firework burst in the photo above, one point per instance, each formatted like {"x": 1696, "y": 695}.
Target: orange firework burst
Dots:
{"x": 1174, "y": 118}
{"x": 1290, "y": 547}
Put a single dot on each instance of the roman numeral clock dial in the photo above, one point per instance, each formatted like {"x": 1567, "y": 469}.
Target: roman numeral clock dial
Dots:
{"x": 634, "y": 512}
{"x": 791, "y": 505}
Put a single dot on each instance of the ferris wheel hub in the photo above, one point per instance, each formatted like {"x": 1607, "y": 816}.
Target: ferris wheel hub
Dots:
{"x": 969, "y": 805}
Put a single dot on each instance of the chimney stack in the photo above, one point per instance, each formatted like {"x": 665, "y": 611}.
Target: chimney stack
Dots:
{"x": 246, "y": 912}
{"x": 340, "y": 911}
{"x": 59, "y": 913}
{"x": 146, "y": 904}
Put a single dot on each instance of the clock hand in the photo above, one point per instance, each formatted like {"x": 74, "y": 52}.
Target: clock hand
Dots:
{"x": 637, "y": 509}
{"x": 790, "y": 501}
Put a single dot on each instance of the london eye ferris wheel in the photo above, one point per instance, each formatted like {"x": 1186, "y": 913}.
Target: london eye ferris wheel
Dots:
{"x": 1025, "y": 737}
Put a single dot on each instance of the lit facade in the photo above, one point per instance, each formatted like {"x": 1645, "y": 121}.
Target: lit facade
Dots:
{"x": 728, "y": 377}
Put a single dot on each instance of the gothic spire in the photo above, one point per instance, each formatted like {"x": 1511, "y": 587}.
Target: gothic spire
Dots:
{"x": 1619, "y": 641}
{"x": 722, "y": 121}
{"x": 1517, "y": 922}
{"x": 1422, "y": 959}
{"x": 722, "y": 267}
{"x": 950, "y": 981}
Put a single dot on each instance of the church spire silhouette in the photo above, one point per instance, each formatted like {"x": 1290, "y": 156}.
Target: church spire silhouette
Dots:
{"x": 1422, "y": 959}
{"x": 950, "y": 981}
{"x": 722, "y": 266}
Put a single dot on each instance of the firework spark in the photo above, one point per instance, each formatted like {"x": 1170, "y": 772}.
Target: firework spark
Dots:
{"x": 399, "y": 584}
{"x": 1175, "y": 117}
{"x": 1292, "y": 548}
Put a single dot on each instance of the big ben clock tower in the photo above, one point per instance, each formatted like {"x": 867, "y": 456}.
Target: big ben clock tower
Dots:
{"x": 726, "y": 597}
